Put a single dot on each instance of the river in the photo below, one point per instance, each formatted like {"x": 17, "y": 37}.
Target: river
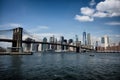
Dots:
{"x": 60, "y": 66}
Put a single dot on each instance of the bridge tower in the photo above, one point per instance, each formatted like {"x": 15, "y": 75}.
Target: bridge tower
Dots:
{"x": 17, "y": 39}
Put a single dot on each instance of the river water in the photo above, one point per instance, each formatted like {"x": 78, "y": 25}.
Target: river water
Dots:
{"x": 60, "y": 66}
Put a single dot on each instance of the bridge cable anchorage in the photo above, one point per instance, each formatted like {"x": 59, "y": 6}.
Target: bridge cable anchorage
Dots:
{"x": 30, "y": 34}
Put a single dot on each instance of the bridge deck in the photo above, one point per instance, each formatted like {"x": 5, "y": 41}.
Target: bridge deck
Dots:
{"x": 23, "y": 41}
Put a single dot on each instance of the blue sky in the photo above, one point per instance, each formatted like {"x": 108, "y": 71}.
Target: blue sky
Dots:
{"x": 63, "y": 17}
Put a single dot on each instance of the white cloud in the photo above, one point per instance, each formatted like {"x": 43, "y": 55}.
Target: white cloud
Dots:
{"x": 92, "y": 3}
{"x": 113, "y": 23}
{"x": 14, "y": 25}
{"x": 43, "y": 27}
{"x": 107, "y": 8}
{"x": 87, "y": 11}
{"x": 111, "y": 7}
{"x": 83, "y": 18}
{"x": 38, "y": 28}
{"x": 10, "y": 25}
{"x": 100, "y": 14}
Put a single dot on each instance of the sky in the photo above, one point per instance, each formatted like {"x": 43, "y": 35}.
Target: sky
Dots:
{"x": 45, "y": 18}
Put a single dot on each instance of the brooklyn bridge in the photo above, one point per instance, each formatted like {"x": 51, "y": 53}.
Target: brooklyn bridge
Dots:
{"x": 17, "y": 40}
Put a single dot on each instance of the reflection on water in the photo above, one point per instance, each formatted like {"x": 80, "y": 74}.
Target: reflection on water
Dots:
{"x": 60, "y": 66}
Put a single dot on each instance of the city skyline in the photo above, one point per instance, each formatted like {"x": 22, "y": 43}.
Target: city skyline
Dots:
{"x": 62, "y": 17}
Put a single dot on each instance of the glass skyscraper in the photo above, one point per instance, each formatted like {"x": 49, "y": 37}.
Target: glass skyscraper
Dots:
{"x": 88, "y": 39}
{"x": 84, "y": 38}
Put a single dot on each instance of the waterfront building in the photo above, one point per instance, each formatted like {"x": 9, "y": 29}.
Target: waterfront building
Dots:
{"x": 84, "y": 38}
{"x": 51, "y": 40}
{"x": 71, "y": 48}
{"x": 96, "y": 44}
{"x": 59, "y": 46}
{"x": 40, "y": 47}
{"x": 105, "y": 41}
{"x": 28, "y": 46}
{"x": 34, "y": 46}
{"x": 62, "y": 41}
{"x": 55, "y": 41}
{"x": 44, "y": 46}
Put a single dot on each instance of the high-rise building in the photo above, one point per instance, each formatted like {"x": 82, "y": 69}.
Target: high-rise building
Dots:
{"x": 44, "y": 46}
{"x": 50, "y": 46}
{"x": 70, "y": 41}
{"x": 28, "y": 46}
{"x": 62, "y": 41}
{"x": 96, "y": 44}
{"x": 105, "y": 41}
{"x": 55, "y": 41}
{"x": 84, "y": 38}
{"x": 76, "y": 36}
{"x": 58, "y": 46}
{"x": 88, "y": 39}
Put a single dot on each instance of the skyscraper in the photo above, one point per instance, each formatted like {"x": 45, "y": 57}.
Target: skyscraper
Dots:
{"x": 76, "y": 36}
{"x": 105, "y": 41}
{"x": 28, "y": 46}
{"x": 70, "y": 41}
{"x": 51, "y": 40}
{"x": 96, "y": 44}
{"x": 84, "y": 38}
{"x": 62, "y": 41}
{"x": 88, "y": 39}
{"x": 44, "y": 46}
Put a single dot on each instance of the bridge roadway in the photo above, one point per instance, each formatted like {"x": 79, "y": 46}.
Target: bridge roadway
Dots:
{"x": 23, "y": 41}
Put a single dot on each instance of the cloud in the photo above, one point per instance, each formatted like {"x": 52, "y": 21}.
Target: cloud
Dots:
{"x": 38, "y": 28}
{"x": 83, "y": 18}
{"x": 14, "y": 25}
{"x": 10, "y": 25}
{"x": 43, "y": 27}
{"x": 87, "y": 11}
{"x": 92, "y": 3}
{"x": 100, "y": 14}
{"x": 113, "y": 23}
{"x": 107, "y": 8}
{"x": 111, "y": 7}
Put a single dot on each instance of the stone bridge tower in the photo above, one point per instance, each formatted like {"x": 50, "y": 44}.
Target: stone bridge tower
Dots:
{"x": 17, "y": 39}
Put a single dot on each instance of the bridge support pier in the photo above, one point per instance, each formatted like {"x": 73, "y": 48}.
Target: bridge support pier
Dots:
{"x": 78, "y": 46}
{"x": 17, "y": 39}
